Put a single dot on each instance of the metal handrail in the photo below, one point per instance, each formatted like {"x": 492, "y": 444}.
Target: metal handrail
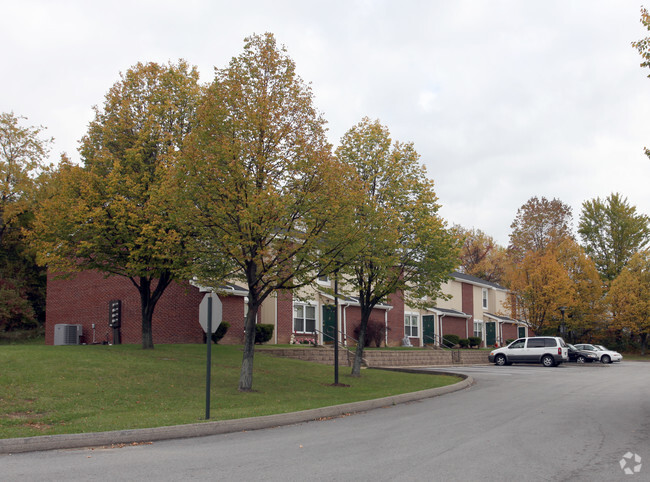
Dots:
{"x": 455, "y": 352}
{"x": 348, "y": 351}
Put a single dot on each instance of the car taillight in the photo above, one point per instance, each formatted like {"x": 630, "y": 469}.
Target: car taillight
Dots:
{"x": 559, "y": 350}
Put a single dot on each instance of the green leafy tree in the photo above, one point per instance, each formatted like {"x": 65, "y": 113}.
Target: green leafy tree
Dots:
{"x": 23, "y": 164}
{"x": 629, "y": 298}
{"x": 262, "y": 189}
{"x": 612, "y": 231}
{"x": 112, "y": 213}
{"x": 407, "y": 247}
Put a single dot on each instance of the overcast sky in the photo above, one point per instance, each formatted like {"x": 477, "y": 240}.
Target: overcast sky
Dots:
{"x": 504, "y": 100}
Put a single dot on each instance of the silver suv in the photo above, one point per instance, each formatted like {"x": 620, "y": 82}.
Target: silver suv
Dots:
{"x": 547, "y": 350}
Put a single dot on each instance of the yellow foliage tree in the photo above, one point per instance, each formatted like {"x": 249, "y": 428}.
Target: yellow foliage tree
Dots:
{"x": 629, "y": 298}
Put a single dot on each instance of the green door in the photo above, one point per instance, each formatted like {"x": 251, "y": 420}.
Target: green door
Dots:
{"x": 521, "y": 332}
{"x": 429, "y": 328}
{"x": 490, "y": 333}
{"x": 329, "y": 324}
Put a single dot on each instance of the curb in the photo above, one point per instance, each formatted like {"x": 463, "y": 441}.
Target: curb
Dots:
{"x": 83, "y": 440}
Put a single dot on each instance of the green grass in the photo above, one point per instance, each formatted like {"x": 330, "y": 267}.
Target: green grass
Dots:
{"x": 636, "y": 357}
{"x": 46, "y": 390}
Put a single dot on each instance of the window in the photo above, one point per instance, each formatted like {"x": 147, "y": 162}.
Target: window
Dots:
{"x": 478, "y": 329}
{"x": 304, "y": 318}
{"x": 485, "y": 298}
{"x": 536, "y": 343}
{"x": 324, "y": 279}
{"x": 411, "y": 325}
{"x": 517, "y": 344}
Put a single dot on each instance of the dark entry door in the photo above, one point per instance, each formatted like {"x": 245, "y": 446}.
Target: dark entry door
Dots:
{"x": 490, "y": 333}
{"x": 429, "y": 328}
{"x": 521, "y": 332}
{"x": 329, "y": 324}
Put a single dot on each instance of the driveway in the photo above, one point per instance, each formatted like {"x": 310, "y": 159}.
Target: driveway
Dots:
{"x": 516, "y": 423}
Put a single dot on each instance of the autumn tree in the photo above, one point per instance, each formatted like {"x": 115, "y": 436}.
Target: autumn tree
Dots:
{"x": 629, "y": 298}
{"x": 538, "y": 225}
{"x": 481, "y": 255}
{"x": 612, "y": 231}
{"x": 23, "y": 163}
{"x": 407, "y": 247}
{"x": 262, "y": 189}
{"x": 111, "y": 214}
{"x": 540, "y": 286}
{"x": 585, "y": 310}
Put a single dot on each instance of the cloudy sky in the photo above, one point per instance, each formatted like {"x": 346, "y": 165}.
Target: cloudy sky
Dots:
{"x": 503, "y": 99}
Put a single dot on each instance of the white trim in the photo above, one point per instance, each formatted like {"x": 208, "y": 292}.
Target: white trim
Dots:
{"x": 417, "y": 324}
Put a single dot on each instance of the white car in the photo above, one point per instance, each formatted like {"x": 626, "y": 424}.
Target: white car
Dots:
{"x": 604, "y": 355}
{"x": 547, "y": 350}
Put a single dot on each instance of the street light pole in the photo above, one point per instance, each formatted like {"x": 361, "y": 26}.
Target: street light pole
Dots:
{"x": 336, "y": 327}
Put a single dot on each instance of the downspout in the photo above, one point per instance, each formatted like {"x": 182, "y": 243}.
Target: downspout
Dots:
{"x": 386, "y": 327}
{"x": 440, "y": 317}
{"x": 345, "y": 324}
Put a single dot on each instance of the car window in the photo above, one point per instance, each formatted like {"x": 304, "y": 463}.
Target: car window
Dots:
{"x": 550, "y": 342}
{"x": 517, "y": 344}
{"x": 536, "y": 342}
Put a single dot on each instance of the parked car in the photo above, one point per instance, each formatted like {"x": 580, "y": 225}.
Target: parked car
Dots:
{"x": 604, "y": 355}
{"x": 581, "y": 356}
{"x": 547, "y": 350}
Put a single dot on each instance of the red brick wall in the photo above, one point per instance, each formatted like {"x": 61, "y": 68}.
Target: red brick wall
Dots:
{"x": 452, "y": 325}
{"x": 83, "y": 299}
{"x": 396, "y": 320}
{"x": 353, "y": 320}
{"x": 509, "y": 331}
{"x": 285, "y": 316}
{"x": 468, "y": 299}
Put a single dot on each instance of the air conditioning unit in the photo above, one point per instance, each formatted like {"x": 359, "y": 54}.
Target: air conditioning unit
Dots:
{"x": 67, "y": 334}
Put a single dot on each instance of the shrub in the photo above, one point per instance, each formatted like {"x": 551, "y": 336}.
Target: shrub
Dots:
{"x": 451, "y": 340}
{"x": 463, "y": 342}
{"x": 509, "y": 340}
{"x": 375, "y": 333}
{"x": 221, "y": 331}
{"x": 263, "y": 333}
{"x": 475, "y": 341}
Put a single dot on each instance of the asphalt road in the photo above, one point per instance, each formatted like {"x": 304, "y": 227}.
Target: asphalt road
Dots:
{"x": 519, "y": 423}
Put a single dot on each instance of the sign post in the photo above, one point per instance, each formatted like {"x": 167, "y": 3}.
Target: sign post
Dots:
{"x": 210, "y": 313}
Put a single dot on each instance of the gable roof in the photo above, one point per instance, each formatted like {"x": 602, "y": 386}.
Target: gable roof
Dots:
{"x": 466, "y": 278}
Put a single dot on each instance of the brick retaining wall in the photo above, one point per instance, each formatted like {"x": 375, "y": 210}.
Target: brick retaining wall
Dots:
{"x": 383, "y": 358}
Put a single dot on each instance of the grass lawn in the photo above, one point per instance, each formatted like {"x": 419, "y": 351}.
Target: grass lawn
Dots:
{"x": 46, "y": 390}
{"x": 635, "y": 357}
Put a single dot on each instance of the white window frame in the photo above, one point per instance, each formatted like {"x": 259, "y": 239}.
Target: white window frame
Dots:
{"x": 303, "y": 318}
{"x": 324, "y": 280}
{"x": 478, "y": 324}
{"x": 411, "y": 325}
{"x": 485, "y": 298}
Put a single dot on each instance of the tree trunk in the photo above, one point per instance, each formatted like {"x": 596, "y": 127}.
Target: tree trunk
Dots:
{"x": 644, "y": 342}
{"x": 246, "y": 373}
{"x": 148, "y": 302}
{"x": 358, "y": 355}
